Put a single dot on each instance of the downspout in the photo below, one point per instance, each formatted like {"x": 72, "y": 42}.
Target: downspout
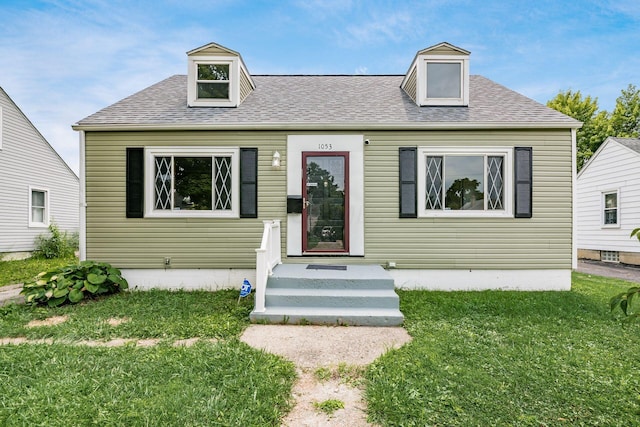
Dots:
{"x": 574, "y": 226}
{"x": 83, "y": 201}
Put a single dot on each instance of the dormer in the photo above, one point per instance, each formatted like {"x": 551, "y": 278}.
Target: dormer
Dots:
{"x": 217, "y": 77}
{"x": 439, "y": 76}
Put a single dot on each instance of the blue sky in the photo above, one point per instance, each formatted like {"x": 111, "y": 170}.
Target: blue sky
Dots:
{"x": 61, "y": 60}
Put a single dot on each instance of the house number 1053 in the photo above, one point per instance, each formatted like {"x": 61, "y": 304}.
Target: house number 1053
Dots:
{"x": 325, "y": 147}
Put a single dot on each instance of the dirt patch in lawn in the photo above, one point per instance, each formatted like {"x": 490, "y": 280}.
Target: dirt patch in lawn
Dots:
{"x": 327, "y": 347}
{"x": 50, "y": 321}
{"x": 117, "y": 321}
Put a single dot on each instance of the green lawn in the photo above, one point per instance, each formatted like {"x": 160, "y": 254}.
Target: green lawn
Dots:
{"x": 476, "y": 359}
{"x": 222, "y": 383}
{"x": 12, "y": 272}
{"x": 511, "y": 358}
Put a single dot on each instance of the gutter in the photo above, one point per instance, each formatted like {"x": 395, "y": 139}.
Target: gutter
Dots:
{"x": 324, "y": 126}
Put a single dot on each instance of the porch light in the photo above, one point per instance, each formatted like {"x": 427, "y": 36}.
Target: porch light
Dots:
{"x": 275, "y": 161}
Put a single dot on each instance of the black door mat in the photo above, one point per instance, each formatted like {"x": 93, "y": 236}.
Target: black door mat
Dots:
{"x": 326, "y": 267}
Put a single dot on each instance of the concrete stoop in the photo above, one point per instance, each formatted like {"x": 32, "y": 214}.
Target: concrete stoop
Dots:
{"x": 362, "y": 295}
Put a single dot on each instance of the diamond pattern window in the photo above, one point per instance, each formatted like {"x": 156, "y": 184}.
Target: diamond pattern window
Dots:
{"x": 193, "y": 182}
{"x": 464, "y": 182}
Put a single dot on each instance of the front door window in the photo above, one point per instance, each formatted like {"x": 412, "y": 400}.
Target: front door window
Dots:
{"x": 325, "y": 213}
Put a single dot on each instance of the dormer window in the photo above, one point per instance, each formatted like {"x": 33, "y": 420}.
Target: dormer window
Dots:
{"x": 213, "y": 81}
{"x": 217, "y": 77}
{"x": 444, "y": 80}
{"x": 439, "y": 76}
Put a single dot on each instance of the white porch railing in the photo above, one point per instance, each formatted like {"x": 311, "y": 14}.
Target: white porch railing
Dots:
{"x": 267, "y": 256}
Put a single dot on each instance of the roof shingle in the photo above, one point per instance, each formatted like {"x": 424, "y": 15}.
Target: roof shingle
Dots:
{"x": 329, "y": 101}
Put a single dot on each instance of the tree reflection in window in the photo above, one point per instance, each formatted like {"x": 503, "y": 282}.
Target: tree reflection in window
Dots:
{"x": 461, "y": 182}
{"x": 193, "y": 178}
{"x": 327, "y": 199}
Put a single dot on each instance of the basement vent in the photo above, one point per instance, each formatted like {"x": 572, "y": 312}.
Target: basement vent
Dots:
{"x": 326, "y": 267}
{"x": 610, "y": 256}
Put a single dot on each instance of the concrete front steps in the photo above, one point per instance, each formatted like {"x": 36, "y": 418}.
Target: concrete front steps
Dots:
{"x": 330, "y": 294}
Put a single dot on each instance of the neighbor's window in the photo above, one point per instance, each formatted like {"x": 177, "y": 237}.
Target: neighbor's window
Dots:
{"x": 213, "y": 81}
{"x": 193, "y": 182}
{"x": 38, "y": 211}
{"x": 444, "y": 80}
{"x": 466, "y": 183}
{"x": 610, "y": 209}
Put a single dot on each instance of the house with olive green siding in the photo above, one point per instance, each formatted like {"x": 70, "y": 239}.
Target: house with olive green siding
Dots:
{"x": 440, "y": 178}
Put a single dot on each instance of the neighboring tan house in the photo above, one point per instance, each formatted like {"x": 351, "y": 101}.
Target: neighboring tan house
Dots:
{"x": 38, "y": 187}
{"x": 448, "y": 180}
{"x": 608, "y": 202}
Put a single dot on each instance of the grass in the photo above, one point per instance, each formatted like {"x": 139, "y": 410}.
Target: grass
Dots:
{"x": 151, "y": 314}
{"x": 20, "y": 271}
{"x": 345, "y": 374}
{"x": 328, "y": 406}
{"x": 476, "y": 359}
{"x": 511, "y": 358}
{"x": 218, "y": 384}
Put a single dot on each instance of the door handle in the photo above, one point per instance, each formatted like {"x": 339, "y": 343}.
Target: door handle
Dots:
{"x": 305, "y": 203}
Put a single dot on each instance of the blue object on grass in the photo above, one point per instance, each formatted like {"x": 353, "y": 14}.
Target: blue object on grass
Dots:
{"x": 245, "y": 290}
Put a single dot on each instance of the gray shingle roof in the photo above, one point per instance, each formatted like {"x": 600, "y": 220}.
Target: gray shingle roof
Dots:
{"x": 632, "y": 143}
{"x": 330, "y": 102}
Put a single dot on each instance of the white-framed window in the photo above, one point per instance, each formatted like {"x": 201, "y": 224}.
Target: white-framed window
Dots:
{"x": 192, "y": 182}
{"x": 611, "y": 209}
{"x": 444, "y": 81}
{"x": 465, "y": 182}
{"x": 213, "y": 82}
{"x": 38, "y": 207}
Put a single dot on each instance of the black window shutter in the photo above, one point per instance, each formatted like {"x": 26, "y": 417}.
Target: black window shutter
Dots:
{"x": 135, "y": 182}
{"x": 248, "y": 183}
{"x": 523, "y": 187}
{"x": 408, "y": 176}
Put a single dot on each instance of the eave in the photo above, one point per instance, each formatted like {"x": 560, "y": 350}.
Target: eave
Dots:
{"x": 361, "y": 126}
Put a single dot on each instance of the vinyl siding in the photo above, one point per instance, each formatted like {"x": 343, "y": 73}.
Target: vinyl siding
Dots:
{"x": 410, "y": 86}
{"x": 245, "y": 85}
{"x": 444, "y": 50}
{"x": 614, "y": 168}
{"x": 213, "y": 50}
{"x": 189, "y": 242}
{"x": 541, "y": 242}
{"x": 26, "y": 159}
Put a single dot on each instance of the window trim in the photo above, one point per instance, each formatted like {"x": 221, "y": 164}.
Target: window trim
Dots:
{"x": 508, "y": 180}
{"x": 46, "y": 216}
{"x": 149, "y": 170}
{"x": 234, "y": 82}
{"x": 463, "y": 100}
{"x": 603, "y": 194}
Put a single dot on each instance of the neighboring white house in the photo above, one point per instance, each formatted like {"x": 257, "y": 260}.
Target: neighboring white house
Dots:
{"x": 608, "y": 202}
{"x": 38, "y": 187}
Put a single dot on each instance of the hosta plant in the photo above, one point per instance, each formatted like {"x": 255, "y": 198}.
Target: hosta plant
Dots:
{"x": 73, "y": 283}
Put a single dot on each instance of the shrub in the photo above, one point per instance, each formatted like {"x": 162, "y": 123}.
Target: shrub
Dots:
{"x": 73, "y": 283}
{"x": 55, "y": 243}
